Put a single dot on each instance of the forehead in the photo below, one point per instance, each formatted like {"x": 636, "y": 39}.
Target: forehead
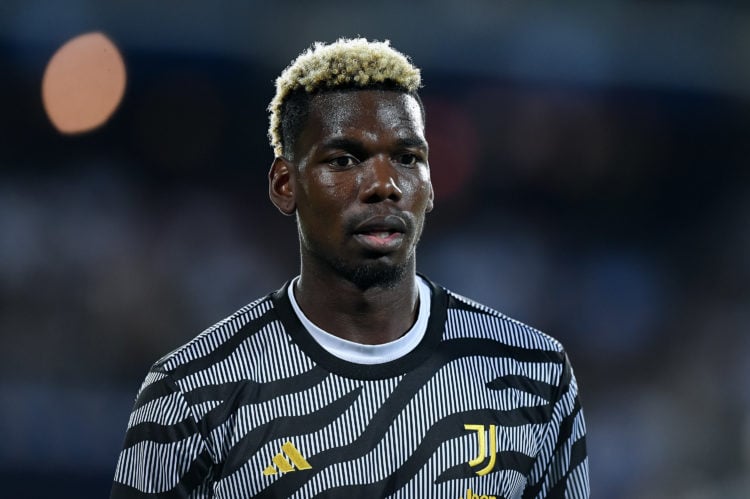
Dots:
{"x": 362, "y": 114}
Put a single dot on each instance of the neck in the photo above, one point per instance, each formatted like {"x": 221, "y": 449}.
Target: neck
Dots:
{"x": 372, "y": 316}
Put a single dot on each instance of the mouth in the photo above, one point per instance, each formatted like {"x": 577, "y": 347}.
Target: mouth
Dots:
{"x": 381, "y": 234}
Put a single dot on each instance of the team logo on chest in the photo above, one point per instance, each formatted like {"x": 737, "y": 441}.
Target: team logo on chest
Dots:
{"x": 485, "y": 448}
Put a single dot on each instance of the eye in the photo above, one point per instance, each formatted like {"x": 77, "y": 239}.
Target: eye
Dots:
{"x": 343, "y": 162}
{"x": 408, "y": 159}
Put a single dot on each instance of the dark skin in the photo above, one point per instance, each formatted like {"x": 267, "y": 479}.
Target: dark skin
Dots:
{"x": 359, "y": 184}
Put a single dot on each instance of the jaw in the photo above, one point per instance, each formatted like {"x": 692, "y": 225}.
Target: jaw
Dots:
{"x": 381, "y": 259}
{"x": 365, "y": 270}
{"x": 378, "y": 275}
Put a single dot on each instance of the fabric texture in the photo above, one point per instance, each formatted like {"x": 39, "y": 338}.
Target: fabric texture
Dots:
{"x": 254, "y": 407}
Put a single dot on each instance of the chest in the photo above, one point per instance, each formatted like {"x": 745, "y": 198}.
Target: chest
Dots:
{"x": 425, "y": 434}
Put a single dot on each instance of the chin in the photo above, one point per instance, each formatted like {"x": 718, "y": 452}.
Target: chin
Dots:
{"x": 373, "y": 274}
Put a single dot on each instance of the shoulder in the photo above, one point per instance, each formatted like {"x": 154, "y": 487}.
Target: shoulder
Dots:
{"x": 221, "y": 336}
{"x": 467, "y": 318}
{"x": 479, "y": 333}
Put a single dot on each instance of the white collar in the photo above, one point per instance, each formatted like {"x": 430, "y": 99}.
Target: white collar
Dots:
{"x": 369, "y": 354}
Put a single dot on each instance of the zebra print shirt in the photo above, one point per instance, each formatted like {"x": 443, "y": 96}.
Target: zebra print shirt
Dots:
{"x": 483, "y": 407}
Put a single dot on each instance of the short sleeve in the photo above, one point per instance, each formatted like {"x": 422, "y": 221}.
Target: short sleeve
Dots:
{"x": 164, "y": 454}
{"x": 561, "y": 468}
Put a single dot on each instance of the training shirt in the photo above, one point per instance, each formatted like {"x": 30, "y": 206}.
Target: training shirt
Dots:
{"x": 482, "y": 406}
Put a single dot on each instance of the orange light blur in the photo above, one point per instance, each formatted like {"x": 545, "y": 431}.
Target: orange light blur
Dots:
{"x": 83, "y": 84}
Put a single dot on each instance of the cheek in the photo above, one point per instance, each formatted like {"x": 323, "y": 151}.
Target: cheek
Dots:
{"x": 430, "y": 191}
{"x": 422, "y": 189}
{"x": 328, "y": 186}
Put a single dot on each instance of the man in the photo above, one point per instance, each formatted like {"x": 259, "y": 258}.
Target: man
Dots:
{"x": 359, "y": 377}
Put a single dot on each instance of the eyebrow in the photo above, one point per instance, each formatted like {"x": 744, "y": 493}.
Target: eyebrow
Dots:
{"x": 356, "y": 145}
{"x": 342, "y": 143}
{"x": 412, "y": 142}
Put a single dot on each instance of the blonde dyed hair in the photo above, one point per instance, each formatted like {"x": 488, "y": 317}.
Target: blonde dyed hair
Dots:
{"x": 345, "y": 63}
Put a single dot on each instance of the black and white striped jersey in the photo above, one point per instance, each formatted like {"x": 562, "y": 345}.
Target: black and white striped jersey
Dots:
{"x": 483, "y": 407}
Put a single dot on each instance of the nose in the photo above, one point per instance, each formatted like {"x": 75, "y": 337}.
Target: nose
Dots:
{"x": 379, "y": 181}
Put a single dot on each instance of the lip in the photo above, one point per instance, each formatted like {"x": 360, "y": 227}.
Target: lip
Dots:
{"x": 381, "y": 223}
{"x": 381, "y": 233}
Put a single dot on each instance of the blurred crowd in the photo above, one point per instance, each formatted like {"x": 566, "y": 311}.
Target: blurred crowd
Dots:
{"x": 613, "y": 217}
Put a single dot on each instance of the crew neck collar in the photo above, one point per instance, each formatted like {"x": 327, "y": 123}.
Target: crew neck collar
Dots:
{"x": 359, "y": 353}
{"x": 346, "y": 367}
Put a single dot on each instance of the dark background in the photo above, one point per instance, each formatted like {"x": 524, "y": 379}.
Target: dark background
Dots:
{"x": 590, "y": 167}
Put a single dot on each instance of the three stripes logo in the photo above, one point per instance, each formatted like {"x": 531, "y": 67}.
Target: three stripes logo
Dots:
{"x": 288, "y": 450}
{"x": 483, "y": 447}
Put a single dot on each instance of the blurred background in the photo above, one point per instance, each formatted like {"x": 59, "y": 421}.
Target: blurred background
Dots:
{"x": 590, "y": 167}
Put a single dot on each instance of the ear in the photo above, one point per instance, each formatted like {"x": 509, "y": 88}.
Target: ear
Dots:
{"x": 281, "y": 186}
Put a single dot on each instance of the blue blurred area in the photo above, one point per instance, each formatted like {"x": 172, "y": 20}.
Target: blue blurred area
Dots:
{"x": 590, "y": 167}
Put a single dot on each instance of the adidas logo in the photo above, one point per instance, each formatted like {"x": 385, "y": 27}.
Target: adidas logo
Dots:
{"x": 284, "y": 466}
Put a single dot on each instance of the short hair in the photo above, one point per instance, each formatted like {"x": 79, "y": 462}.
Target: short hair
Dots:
{"x": 346, "y": 64}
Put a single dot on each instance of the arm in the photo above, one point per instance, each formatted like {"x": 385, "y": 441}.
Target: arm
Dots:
{"x": 164, "y": 454}
{"x": 561, "y": 469}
